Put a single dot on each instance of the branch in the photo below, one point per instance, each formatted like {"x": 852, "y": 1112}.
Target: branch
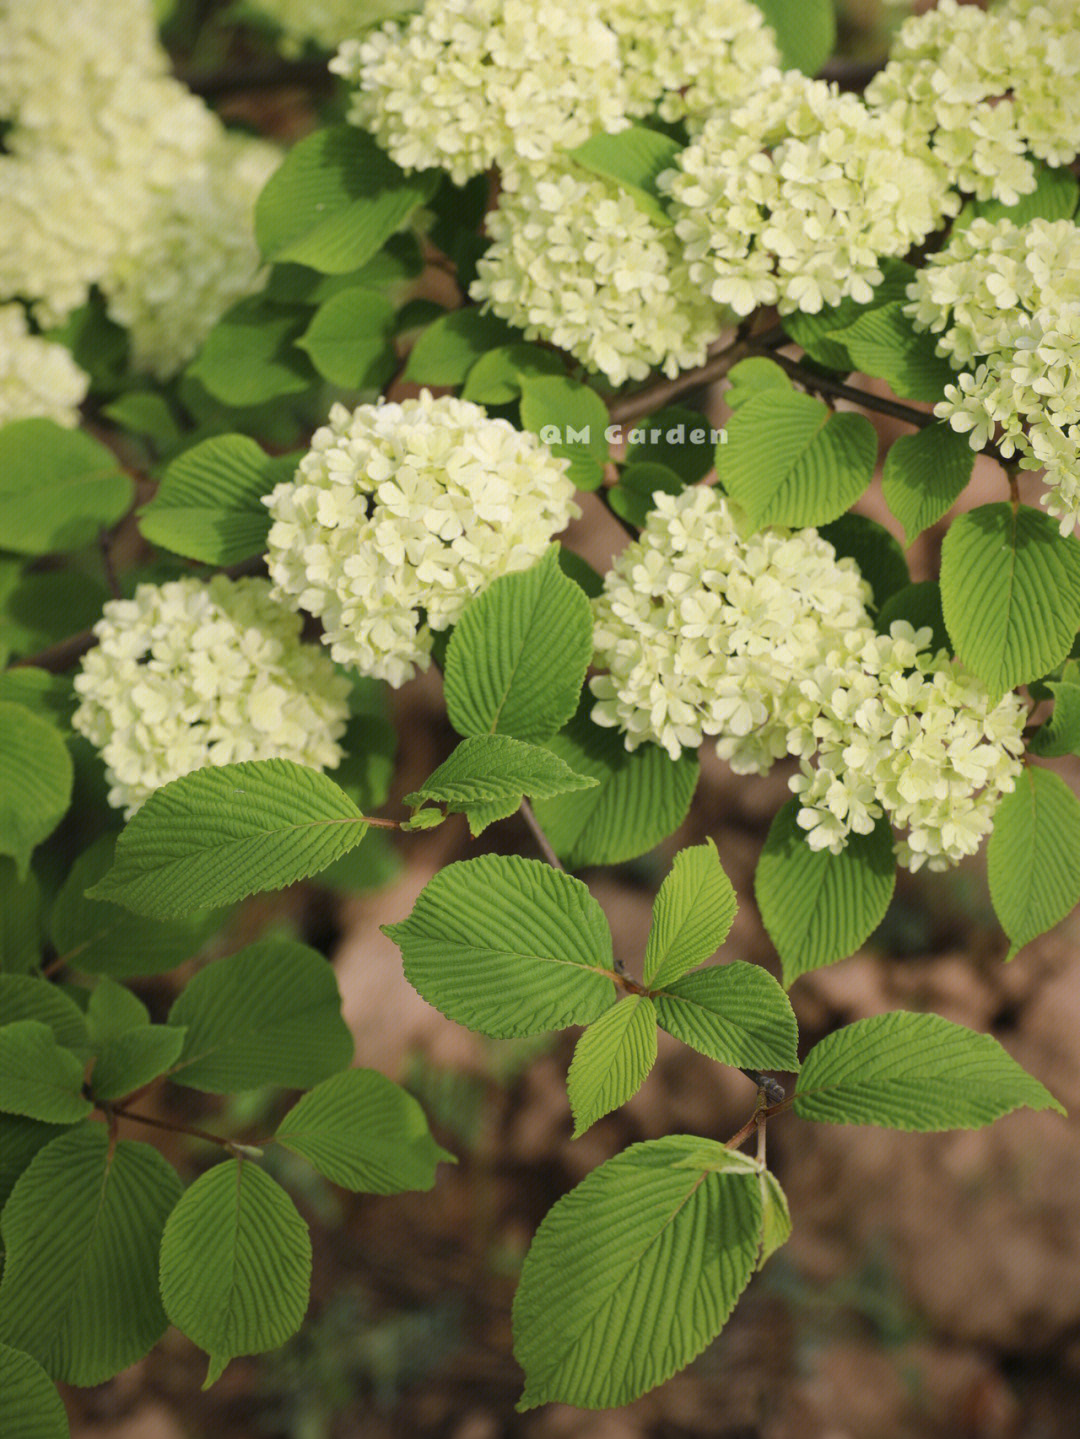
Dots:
{"x": 62, "y": 655}
{"x": 543, "y": 843}
{"x": 825, "y": 385}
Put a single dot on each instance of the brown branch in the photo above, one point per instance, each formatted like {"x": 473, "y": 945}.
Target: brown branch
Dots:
{"x": 542, "y": 842}
{"x": 825, "y": 385}
{"x": 61, "y": 656}
{"x": 118, "y": 1111}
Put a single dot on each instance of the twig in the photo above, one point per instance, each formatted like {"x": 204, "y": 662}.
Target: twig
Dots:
{"x": 825, "y": 385}
{"x": 61, "y": 656}
{"x": 122, "y": 1113}
{"x": 542, "y": 841}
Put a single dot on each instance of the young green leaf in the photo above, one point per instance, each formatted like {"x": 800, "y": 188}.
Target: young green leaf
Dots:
{"x": 32, "y": 1407}
{"x": 36, "y": 776}
{"x": 611, "y": 1060}
{"x": 805, "y": 31}
{"x": 86, "y": 1220}
{"x": 364, "y": 1132}
{"x": 128, "y": 1061}
{"x": 235, "y": 1264}
{"x": 884, "y": 342}
{"x": 751, "y": 376}
{"x": 58, "y": 487}
{"x": 913, "y": 1071}
{"x": 788, "y": 461}
{"x": 487, "y": 776}
{"x": 498, "y": 375}
{"x": 26, "y": 996}
{"x": 632, "y": 1273}
{"x": 1060, "y": 735}
{"x": 224, "y": 832}
{"x": 38, "y": 1079}
{"x": 517, "y": 658}
{"x": 508, "y": 946}
{"x": 209, "y": 505}
{"x": 924, "y": 475}
{"x": 735, "y": 1013}
{"x": 270, "y": 1014}
{"x": 817, "y": 333}
{"x": 20, "y": 920}
{"x": 1033, "y": 858}
{"x": 447, "y": 350}
{"x": 633, "y": 158}
{"x": 691, "y": 916}
{"x": 349, "y": 339}
{"x": 1010, "y": 586}
{"x": 819, "y": 907}
{"x": 775, "y": 1216}
{"x": 572, "y": 420}
{"x": 641, "y": 797}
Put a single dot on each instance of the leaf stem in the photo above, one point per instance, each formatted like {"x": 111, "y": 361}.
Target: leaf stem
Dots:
{"x": 542, "y": 841}
{"x": 117, "y": 1111}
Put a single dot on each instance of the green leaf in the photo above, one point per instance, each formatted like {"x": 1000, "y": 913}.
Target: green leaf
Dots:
{"x": 1010, "y": 588}
{"x": 133, "y": 1059}
{"x": 611, "y": 1060}
{"x": 518, "y": 655}
{"x": 270, "y": 1014}
{"x": 680, "y": 438}
{"x": 447, "y": 350}
{"x": 58, "y": 487}
{"x": 224, "y": 832}
{"x": 32, "y": 1407}
{"x": 364, "y": 1132}
{"x": 40, "y": 609}
{"x": 641, "y": 798}
{"x": 36, "y": 775}
{"x": 920, "y": 605}
{"x": 691, "y": 916}
{"x": 487, "y": 776}
{"x": 883, "y": 342}
{"x": 635, "y": 1271}
{"x": 805, "y": 31}
{"x": 336, "y": 199}
{"x": 913, "y": 1071}
{"x": 508, "y": 946}
{"x": 20, "y": 1140}
{"x": 49, "y": 696}
{"x": 498, "y": 375}
{"x": 38, "y": 1079}
{"x": 735, "y": 1013}
{"x": 1060, "y": 735}
{"x": 788, "y": 461}
{"x": 924, "y": 476}
{"x": 374, "y": 864}
{"x": 97, "y": 937}
{"x": 25, "y": 996}
{"x": 633, "y": 158}
{"x": 209, "y": 506}
{"x": 113, "y": 1010}
{"x": 817, "y": 333}
{"x": 1033, "y": 858}
{"x": 148, "y": 414}
{"x": 750, "y": 377}
{"x": 571, "y": 420}
{"x": 235, "y": 1264}
{"x": 20, "y": 920}
{"x": 249, "y": 358}
{"x": 878, "y": 555}
{"x": 632, "y": 498}
{"x": 85, "y": 1220}
{"x": 349, "y": 340}
{"x": 775, "y": 1217}
{"x": 1054, "y": 198}
{"x": 819, "y": 907}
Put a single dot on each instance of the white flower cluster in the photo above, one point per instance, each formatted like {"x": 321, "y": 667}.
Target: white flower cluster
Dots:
{"x": 326, "y": 22}
{"x": 987, "y": 89}
{"x": 792, "y": 196}
{"x": 576, "y": 260}
{"x": 765, "y": 642}
{"x": 37, "y": 377}
{"x": 189, "y": 674}
{"x": 403, "y": 508}
{"x": 116, "y": 176}
{"x": 1005, "y": 300}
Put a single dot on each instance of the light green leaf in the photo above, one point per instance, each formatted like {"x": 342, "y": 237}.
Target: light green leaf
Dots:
{"x": 1033, "y": 858}
{"x": 913, "y": 1071}
{"x": 497, "y": 376}
{"x": 148, "y": 414}
{"x": 817, "y": 333}
{"x": 750, "y": 377}
{"x": 447, "y": 350}
{"x": 487, "y": 776}
{"x": 1010, "y": 587}
{"x": 58, "y": 487}
{"x": 678, "y": 437}
{"x": 83, "y": 1221}
{"x": 221, "y": 833}
{"x": 32, "y": 1407}
{"x": 349, "y": 339}
{"x": 883, "y": 342}
{"x": 209, "y": 506}
{"x": 571, "y": 419}
{"x": 924, "y": 476}
{"x": 633, "y": 497}
{"x": 788, "y": 461}
{"x": 49, "y": 696}
{"x": 641, "y": 798}
{"x": 878, "y": 555}
{"x": 133, "y": 1059}
{"x": 97, "y": 937}
{"x": 38, "y": 1079}
{"x": 335, "y": 200}
{"x": 805, "y": 31}
{"x": 508, "y": 946}
{"x": 25, "y": 996}
{"x": 633, "y": 158}
{"x": 635, "y": 1271}
{"x": 20, "y": 920}
{"x": 364, "y": 1132}
{"x": 691, "y": 916}
{"x": 270, "y": 1014}
{"x": 735, "y": 1013}
{"x": 819, "y": 907}
{"x": 36, "y": 775}
{"x": 518, "y": 655}
{"x": 1060, "y": 735}
{"x": 1054, "y": 198}
{"x": 235, "y": 1264}
{"x": 249, "y": 357}
{"x": 611, "y": 1060}
{"x": 775, "y": 1217}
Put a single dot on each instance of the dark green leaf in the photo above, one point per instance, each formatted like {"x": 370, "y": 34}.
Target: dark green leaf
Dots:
{"x": 680, "y": 438}
{"x": 249, "y": 357}
{"x": 348, "y": 341}
{"x": 920, "y": 605}
{"x": 878, "y": 555}
{"x": 36, "y": 775}
{"x": 632, "y": 497}
{"x": 20, "y": 920}
{"x": 32, "y": 1407}
{"x": 38, "y": 1079}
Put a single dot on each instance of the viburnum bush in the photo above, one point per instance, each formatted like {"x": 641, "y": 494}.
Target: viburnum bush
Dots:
{"x": 249, "y": 482}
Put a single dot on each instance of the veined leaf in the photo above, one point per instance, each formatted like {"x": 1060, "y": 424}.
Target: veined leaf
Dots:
{"x": 85, "y": 1220}
{"x": 913, "y": 1071}
{"x": 235, "y": 1264}
{"x": 775, "y": 1217}
{"x": 130, "y": 1060}
{"x": 508, "y": 946}
{"x": 32, "y": 1407}
{"x": 20, "y": 1140}
{"x": 675, "y": 436}
{"x": 447, "y": 350}
{"x": 113, "y": 1010}
{"x": 250, "y": 358}
{"x": 58, "y": 487}
{"x": 1060, "y": 735}
{"x": 817, "y": 334}
{"x": 572, "y": 420}
{"x": 632, "y": 1273}
{"x": 878, "y": 555}
{"x": 38, "y": 1079}
{"x": 1054, "y": 198}
{"x": 49, "y": 696}
{"x": 633, "y": 497}
{"x": 349, "y": 339}
{"x": 924, "y": 475}
{"x": 1033, "y": 858}
{"x": 805, "y": 31}
{"x": 735, "y": 1013}
{"x": 497, "y": 376}
{"x": 364, "y": 1132}
{"x": 750, "y": 377}
{"x": 611, "y": 1060}
{"x": 36, "y": 775}
{"x": 221, "y": 833}
{"x": 633, "y": 158}
{"x": 920, "y": 606}
{"x": 691, "y": 916}
{"x": 27, "y": 996}
{"x": 884, "y": 342}
{"x": 20, "y": 920}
